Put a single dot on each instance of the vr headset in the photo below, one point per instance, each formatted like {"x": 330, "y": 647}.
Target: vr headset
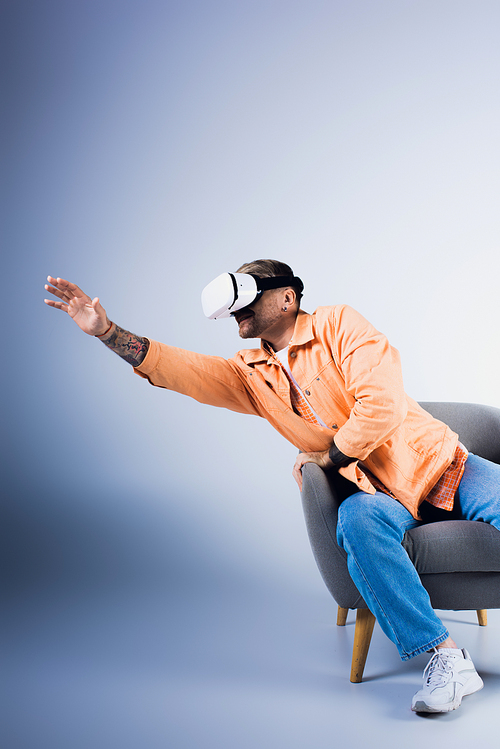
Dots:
{"x": 230, "y": 292}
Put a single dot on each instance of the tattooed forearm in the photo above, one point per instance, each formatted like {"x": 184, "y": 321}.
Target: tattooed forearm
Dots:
{"x": 130, "y": 347}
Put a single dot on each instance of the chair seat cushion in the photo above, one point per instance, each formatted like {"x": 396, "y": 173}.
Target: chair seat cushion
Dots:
{"x": 454, "y": 546}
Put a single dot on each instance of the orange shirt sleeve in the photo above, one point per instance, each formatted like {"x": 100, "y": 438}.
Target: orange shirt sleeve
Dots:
{"x": 208, "y": 379}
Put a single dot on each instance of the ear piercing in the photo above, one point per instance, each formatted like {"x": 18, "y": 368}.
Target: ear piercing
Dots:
{"x": 285, "y": 309}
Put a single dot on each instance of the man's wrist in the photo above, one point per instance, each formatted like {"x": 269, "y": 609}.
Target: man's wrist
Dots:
{"x": 130, "y": 347}
{"x": 339, "y": 458}
{"x": 106, "y": 332}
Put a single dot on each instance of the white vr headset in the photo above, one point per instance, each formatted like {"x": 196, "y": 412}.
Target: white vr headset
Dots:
{"x": 230, "y": 292}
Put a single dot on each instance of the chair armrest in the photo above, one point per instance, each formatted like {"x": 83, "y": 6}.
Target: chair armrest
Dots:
{"x": 322, "y": 494}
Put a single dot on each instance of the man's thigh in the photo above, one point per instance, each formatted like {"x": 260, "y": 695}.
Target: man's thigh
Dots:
{"x": 478, "y": 496}
{"x": 363, "y": 512}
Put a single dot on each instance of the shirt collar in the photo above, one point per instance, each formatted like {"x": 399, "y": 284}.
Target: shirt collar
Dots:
{"x": 302, "y": 333}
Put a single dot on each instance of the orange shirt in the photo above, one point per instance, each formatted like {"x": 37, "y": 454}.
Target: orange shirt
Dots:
{"x": 352, "y": 378}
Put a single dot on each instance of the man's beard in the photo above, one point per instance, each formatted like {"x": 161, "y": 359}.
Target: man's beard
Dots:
{"x": 253, "y": 327}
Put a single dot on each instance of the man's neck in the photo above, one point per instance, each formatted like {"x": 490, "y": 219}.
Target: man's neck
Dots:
{"x": 282, "y": 338}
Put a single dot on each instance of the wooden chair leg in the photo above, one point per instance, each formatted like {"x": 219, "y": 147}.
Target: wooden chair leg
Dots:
{"x": 482, "y": 617}
{"x": 362, "y": 638}
{"x": 342, "y": 616}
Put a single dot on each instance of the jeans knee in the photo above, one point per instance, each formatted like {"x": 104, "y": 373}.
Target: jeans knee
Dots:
{"x": 352, "y": 509}
{"x": 354, "y": 518}
{"x": 365, "y": 517}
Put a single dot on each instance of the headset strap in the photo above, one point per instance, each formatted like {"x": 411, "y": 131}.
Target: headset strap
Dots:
{"x": 277, "y": 282}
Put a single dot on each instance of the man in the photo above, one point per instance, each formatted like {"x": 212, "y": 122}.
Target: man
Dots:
{"x": 332, "y": 385}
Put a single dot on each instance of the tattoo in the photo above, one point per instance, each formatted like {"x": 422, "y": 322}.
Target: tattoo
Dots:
{"x": 130, "y": 347}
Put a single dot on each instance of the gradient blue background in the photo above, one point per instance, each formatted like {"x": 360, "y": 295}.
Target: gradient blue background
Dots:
{"x": 160, "y": 580}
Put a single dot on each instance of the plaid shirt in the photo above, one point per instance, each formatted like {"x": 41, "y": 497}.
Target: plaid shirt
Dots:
{"x": 442, "y": 494}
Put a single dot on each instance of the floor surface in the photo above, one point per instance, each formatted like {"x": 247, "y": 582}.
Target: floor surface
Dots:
{"x": 247, "y": 668}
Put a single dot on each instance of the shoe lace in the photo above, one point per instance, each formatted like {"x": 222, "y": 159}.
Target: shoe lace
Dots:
{"x": 438, "y": 670}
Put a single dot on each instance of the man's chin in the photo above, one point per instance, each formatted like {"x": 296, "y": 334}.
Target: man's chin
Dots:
{"x": 247, "y": 331}
{"x": 246, "y": 334}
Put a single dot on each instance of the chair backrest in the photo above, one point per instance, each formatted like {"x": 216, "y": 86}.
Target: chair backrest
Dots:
{"x": 477, "y": 426}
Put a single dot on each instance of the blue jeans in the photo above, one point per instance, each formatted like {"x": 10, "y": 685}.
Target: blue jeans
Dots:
{"x": 371, "y": 528}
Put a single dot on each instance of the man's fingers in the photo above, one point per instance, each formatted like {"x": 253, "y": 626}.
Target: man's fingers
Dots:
{"x": 297, "y": 468}
{"x": 66, "y": 287}
{"x": 58, "y": 289}
{"x": 57, "y": 305}
{"x": 72, "y": 288}
{"x": 69, "y": 292}
{"x": 298, "y": 477}
{"x": 97, "y": 306}
{"x": 299, "y": 460}
{"x": 56, "y": 292}
{"x": 59, "y": 283}
{"x": 297, "y": 472}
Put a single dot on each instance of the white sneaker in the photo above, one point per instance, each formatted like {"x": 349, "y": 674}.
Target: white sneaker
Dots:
{"x": 449, "y": 676}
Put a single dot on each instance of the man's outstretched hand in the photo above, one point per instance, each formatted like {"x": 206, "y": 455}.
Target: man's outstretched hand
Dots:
{"x": 88, "y": 313}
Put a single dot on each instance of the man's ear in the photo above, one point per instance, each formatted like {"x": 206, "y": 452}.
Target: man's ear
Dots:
{"x": 290, "y": 297}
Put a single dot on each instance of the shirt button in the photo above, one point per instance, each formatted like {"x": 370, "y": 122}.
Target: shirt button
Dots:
{"x": 308, "y": 392}
{"x": 334, "y": 426}
{"x": 293, "y": 354}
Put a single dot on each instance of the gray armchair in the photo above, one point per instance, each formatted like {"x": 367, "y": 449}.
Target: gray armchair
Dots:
{"x": 458, "y": 560}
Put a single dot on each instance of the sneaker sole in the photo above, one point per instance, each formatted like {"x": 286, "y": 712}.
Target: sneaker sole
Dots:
{"x": 474, "y": 684}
